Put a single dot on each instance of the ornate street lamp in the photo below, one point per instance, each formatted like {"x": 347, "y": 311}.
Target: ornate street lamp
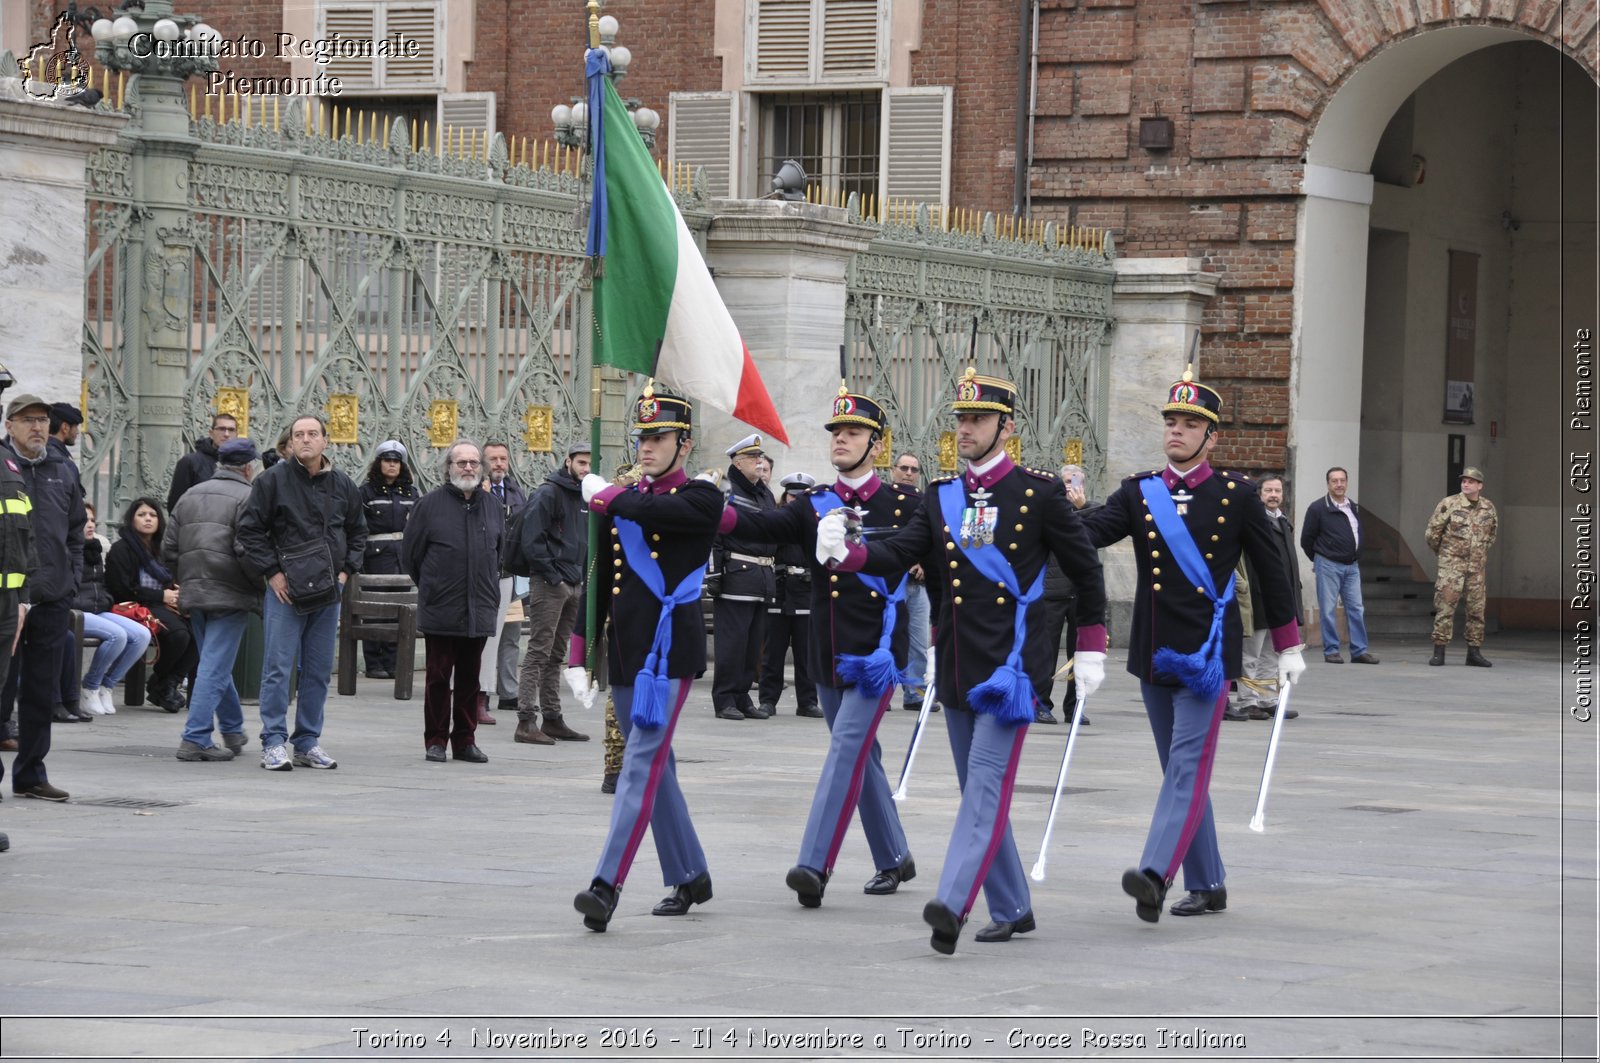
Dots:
{"x": 572, "y": 120}
{"x": 157, "y": 42}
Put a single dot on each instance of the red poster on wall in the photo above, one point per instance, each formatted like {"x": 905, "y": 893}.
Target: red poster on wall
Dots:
{"x": 1460, "y": 337}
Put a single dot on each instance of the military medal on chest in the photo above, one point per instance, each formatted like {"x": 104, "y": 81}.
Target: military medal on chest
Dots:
{"x": 1181, "y": 499}
{"x": 979, "y": 520}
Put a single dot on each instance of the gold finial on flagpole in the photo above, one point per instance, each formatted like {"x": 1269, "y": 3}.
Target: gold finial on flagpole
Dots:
{"x": 593, "y": 7}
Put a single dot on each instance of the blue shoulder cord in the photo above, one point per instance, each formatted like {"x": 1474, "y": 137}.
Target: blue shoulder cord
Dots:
{"x": 1200, "y": 671}
{"x": 651, "y": 687}
{"x": 875, "y": 672}
{"x": 1006, "y": 695}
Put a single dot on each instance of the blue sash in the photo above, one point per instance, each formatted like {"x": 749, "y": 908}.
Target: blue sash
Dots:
{"x": 650, "y": 687}
{"x": 875, "y": 672}
{"x": 1202, "y": 670}
{"x": 1007, "y": 695}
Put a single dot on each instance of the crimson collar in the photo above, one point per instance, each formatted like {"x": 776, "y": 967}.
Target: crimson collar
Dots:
{"x": 995, "y": 474}
{"x": 1193, "y": 478}
{"x": 661, "y": 485}
{"x": 863, "y": 493}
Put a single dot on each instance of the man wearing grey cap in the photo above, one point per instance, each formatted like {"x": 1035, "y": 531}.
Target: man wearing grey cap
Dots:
{"x": 219, "y": 591}
{"x": 555, "y": 544}
{"x": 744, "y": 580}
{"x": 1461, "y": 530}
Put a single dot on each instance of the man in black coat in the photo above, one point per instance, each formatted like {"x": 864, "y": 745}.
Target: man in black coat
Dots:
{"x": 744, "y": 581}
{"x": 1258, "y": 682}
{"x": 1049, "y": 616}
{"x": 659, "y": 535}
{"x": 789, "y": 618}
{"x": 199, "y": 464}
{"x": 58, "y": 517}
{"x": 555, "y": 542}
{"x": 451, "y": 549}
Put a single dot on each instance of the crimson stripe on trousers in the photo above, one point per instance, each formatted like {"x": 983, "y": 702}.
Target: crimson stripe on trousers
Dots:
{"x": 852, "y": 796}
{"x": 1200, "y": 798}
{"x": 653, "y": 780}
{"x": 1001, "y": 820}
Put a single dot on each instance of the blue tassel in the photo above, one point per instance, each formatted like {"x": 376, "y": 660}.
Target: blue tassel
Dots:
{"x": 1200, "y": 671}
{"x": 1007, "y": 695}
{"x": 871, "y": 673}
{"x": 650, "y": 694}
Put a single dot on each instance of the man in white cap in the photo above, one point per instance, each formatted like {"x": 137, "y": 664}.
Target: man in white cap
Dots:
{"x": 744, "y": 580}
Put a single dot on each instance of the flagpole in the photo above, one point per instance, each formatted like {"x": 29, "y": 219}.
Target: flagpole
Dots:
{"x": 591, "y": 625}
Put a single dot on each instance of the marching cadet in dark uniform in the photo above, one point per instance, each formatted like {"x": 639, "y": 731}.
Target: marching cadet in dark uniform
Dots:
{"x": 744, "y": 582}
{"x": 983, "y": 538}
{"x": 1189, "y": 524}
{"x": 859, "y": 638}
{"x": 789, "y": 618}
{"x": 660, "y": 533}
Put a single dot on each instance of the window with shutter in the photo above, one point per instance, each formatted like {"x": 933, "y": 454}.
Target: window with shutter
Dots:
{"x": 400, "y": 44}
{"x": 472, "y": 111}
{"x": 816, "y": 42}
{"x": 702, "y": 134}
{"x": 916, "y": 152}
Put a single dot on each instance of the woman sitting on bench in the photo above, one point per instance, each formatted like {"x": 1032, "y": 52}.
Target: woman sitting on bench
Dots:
{"x": 122, "y": 641}
{"x": 134, "y": 575}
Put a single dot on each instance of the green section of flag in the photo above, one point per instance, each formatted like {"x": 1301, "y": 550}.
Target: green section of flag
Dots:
{"x": 633, "y": 290}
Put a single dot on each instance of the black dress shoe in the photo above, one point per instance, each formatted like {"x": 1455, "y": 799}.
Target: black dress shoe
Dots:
{"x": 1475, "y": 659}
{"x": 596, "y": 904}
{"x": 1148, "y": 892}
{"x": 59, "y": 714}
{"x": 810, "y": 711}
{"x": 946, "y": 926}
{"x": 753, "y": 712}
{"x": 1199, "y": 902}
{"x": 888, "y": 880}
{"x": 379, "y": 673}
{"x": 471, "y": 754}
{"x": 1231, "y": 713}
{"x": 998, "y": 931}
{"x": 696, "y": 891}
{"x": 435, "y": 754}
{"x": 808, "y": 884}
{"x": 728, "y": 712}
{"x": 1044, "y": 715}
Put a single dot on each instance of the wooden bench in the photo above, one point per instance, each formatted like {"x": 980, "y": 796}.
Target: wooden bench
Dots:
{"x": 133, "y": 683}
{"x": 378, "y": 608}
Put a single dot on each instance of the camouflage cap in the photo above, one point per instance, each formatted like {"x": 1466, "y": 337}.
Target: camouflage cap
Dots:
{"x": 1472, "y": 472}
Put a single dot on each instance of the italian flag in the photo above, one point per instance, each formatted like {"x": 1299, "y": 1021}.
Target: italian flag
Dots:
{"x": 652, "y": 286}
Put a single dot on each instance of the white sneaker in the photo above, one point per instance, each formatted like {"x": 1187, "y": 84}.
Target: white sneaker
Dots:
{"x": 314, "y": 758}
{"x": 108, "y": 700}
{"x": 89, "y": 701}
{"x": 276, "y": 758}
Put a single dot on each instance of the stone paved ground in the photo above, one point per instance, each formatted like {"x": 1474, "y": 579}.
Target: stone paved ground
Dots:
{"x": 1425, "y": 887}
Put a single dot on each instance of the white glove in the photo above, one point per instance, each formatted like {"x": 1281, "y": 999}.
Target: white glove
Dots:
{"x": 577, "y": 682}
{"x": 1090, "y": 671}
{"x": 831, "y": 531}
{"x": 592, "y": 485}
{"x": 1291, "y": 666}
{"x": 932, "y": 671}
{"x": 711, "y": 476}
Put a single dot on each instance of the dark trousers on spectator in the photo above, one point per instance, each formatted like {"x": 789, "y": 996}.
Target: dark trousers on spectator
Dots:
{"x": 552, "y": 615}
{"x": 1042, "y": 654}
{"x": 44, "y": 640}
{"x": 738, "y": 629}
{"x": 785, "y": 630}
{"x": 450, "y": 691}
{"x": 178, "y": 654}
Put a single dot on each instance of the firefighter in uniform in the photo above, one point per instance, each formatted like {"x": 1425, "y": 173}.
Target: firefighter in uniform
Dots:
{"x": 789, "y": 618}
{"x": 983, "y": 537}
{"x": 1189, "y": 524}
{"x": 660, "y": 533}
{"x": 859, "y": 640}
{"x": 18, "y": 562}
{"x": 743, "y": 583}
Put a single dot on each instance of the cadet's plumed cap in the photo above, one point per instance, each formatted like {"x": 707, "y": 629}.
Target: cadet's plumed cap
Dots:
{"x": 984, "y": 394}
{"x": 238, "y": 451}
{"x": 798, "y": 481}
{"x": 849, "y": 408}
{"x": 657, "y": 412}
{"x": 748, "y": 446}
{"x": 66, "y": 413}
{"x": 1472, "y": 472}
{"x": 392, "y": 446}
{"x": 21, "y": 402}
{"x": 579, "y": 446}
{"x": 1190, "y": 396}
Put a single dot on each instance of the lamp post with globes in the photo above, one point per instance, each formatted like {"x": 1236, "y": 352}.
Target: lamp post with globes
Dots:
{"x": 159, "y": 49}
{"x": 572, "y": 120}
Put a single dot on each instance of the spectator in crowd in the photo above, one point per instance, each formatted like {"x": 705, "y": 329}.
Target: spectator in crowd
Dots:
{"x": 134, "y": 573}
{"x": 219, "y": 591}
{"x": 198, "y": 465}
{"x": 1258, "y": 682}
{"x": 555, "y": 541}
{"x": 451, "y": 549}
{"x": 66, "y": 421}
{"x": 18, "y": 566}
{"x": 1461, "y": 530}
{"x": 122, "y": 641}
{"x": 304, "y": 533}
{"x": 743, "y": 583}
{"x": 58, "y": 517}
{"x": 789, "y": 617}
{"x": 1331, "y": 538}
{"x": 273, "y": 454}
{"x": 1052, "y": 613}
{"x": 907, "y": 481}
{"x": 497, "y": 671}
{"x": 387, "y": 498}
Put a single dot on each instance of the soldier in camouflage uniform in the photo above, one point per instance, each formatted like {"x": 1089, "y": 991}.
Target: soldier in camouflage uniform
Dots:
{"x": 1461, "y": 531}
